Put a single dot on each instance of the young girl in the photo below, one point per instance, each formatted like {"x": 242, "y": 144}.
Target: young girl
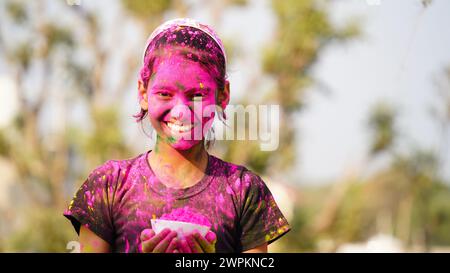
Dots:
{"x": 182, "y": 78}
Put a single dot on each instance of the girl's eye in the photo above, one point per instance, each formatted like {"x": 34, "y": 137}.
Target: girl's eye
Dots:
{"x": 163, "y": 94}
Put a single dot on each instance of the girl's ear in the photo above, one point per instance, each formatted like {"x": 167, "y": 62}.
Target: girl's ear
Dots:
{"x": 142, "y": 93}
{"x": 224, "y": 96}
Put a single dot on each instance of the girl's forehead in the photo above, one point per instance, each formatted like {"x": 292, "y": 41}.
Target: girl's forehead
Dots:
{"x": 176, "y": 70}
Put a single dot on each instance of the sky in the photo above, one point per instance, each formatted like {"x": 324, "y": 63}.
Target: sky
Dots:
{"x": 403, "y": 47}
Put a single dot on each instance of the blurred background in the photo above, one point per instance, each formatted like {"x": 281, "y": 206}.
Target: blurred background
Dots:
{"x": 363, "y": 86}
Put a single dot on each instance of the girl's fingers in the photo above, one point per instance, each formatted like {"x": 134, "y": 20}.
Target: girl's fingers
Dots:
{"x": 147, "y": 234}
{"x": 196, "y": 248}
{"x": 207, "y": 246}
{"x": 161, "y": 247}
{"x": 150, "y": 244}
{"x": 166, "y": 241}
{"x": 172, "y": 246}
{"x": 211, "y": 237}
{"x": 183, "y": 246}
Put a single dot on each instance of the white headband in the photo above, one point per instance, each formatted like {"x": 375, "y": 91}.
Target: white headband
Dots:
{"x": 187, "y": 22}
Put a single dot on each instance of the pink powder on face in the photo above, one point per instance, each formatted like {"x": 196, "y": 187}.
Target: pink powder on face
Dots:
{"x": 171, "y": 96}
{"x": 186, "y": 215}
{"x": 191, "y": 44}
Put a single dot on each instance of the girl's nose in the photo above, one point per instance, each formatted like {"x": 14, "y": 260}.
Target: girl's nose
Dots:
{"x": 181, "y": 109}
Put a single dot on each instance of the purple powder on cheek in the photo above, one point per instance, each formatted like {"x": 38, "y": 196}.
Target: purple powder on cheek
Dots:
{"x": 187, "y": 215}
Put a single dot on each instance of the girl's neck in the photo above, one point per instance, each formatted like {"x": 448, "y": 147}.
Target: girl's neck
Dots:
{"x": 178, "y": 168}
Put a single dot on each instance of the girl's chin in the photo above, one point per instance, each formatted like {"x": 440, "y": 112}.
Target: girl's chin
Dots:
{"x": 183, "y": 145}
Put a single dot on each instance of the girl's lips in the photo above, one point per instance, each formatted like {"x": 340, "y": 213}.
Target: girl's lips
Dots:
{"x": 177, "y": 127}
{"x": 181, "y": 128}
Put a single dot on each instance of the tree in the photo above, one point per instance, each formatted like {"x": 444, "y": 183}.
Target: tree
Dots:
{"x": 304, "y": 30}
{"x": 382, "y": 127}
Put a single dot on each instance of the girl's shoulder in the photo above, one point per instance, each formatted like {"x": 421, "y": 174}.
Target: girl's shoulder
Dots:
{"x": 226, "y": 168}
{"x": 236, "y": 173}
{"x": 114, "y": 167}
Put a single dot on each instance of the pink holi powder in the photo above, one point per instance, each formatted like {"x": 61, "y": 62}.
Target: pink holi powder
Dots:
{"x": 186, "y": 215}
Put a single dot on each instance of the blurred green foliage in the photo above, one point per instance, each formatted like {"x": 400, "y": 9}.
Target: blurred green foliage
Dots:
{"x": 304, "y": 29}
{"x": 44, "y": 231}
{"x": 145, "y": 9}
{"x": 17, "y": 11}
{"x": 381, "y": 124}
{"x": 97, "y": 145}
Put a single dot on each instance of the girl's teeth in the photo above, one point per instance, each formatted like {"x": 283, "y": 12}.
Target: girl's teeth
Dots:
{"x": 179, "y": 128}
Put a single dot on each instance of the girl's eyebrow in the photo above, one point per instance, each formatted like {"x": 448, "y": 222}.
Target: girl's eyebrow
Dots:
{"x": 204, "y": 89}
{"x": 164, "y": 87}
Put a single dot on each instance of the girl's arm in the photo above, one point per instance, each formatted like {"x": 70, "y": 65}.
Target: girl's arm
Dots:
{"x": 91, "y": 242}
{"x": 259, "y": 249}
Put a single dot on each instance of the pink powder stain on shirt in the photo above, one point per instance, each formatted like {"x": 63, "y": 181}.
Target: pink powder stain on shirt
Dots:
{"x": 89, "y": 199}
{"x": 140, "y": 214}
{"x": 237, "y": 184}
{"x": 229, "y": 190}
{"x": 127, "y": 246}
{"x": 220, "y": 199}
{"x": 187, "y": 215}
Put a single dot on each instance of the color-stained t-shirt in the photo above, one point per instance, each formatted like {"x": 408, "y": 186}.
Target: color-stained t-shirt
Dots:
{"x": 120, "y": 197}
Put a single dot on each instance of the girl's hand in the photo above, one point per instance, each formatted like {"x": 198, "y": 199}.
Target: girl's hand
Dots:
{"x": 196, "y": 243}
{"x": 165, "y": 241}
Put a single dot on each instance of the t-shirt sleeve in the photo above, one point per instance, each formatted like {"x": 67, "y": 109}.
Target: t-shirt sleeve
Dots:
{"x": 92, "y": 204}
{"x": 261, "y": 220}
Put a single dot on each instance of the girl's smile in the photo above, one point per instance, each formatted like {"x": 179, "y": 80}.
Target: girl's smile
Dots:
{"x": 178, "y": 127}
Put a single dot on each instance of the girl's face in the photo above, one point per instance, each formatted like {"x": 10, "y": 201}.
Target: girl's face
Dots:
{"x": 181, "y": 101}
